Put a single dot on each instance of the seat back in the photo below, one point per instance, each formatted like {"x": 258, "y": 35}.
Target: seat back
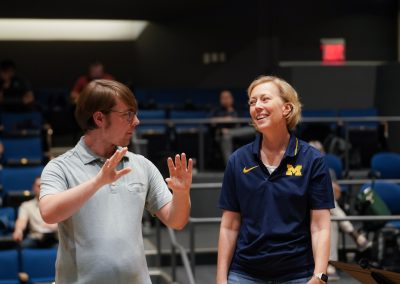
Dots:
{"x": 9, "y": 267}
{"x": 19, "y": 178}
{"x": 360, "y": 113}
{"x": 387, "y": 164}
{"x": 23, "y": 151}
{"x": 22, "y": 124}
{"x": 39, "y": 264}
{"x": 153, "y": 128}
{"x": 188, "y": 115}
{"x": 335, "y": 163}
{"x": 7, "y": 220}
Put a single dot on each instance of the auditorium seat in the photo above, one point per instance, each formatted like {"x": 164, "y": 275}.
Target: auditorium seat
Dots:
{"x": 39, "y": 264}
{"x": 9, "y": 267}
{"x": 22, "y": 151}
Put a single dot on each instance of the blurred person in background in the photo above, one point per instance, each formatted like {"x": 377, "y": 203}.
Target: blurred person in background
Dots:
{"x": 363, "y": 244}
{"x": 95, "y": 71}
{"x": 15, "y": 93}
{"x": 224, "y": 128}
{"x": 40, "y": 234}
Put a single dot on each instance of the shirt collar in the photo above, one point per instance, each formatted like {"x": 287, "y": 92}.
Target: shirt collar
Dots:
{"x": 291, "y": 151}
{"x": 87, "y": 156}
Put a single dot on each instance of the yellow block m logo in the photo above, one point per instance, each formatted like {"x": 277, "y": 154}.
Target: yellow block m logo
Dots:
{"x": 293, "y": 171}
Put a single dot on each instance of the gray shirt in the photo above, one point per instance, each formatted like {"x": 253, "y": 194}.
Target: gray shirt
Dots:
{"x": 102, "y": 242}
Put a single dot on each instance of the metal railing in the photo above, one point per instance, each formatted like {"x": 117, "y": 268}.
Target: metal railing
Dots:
{"x": 341, "y": 121}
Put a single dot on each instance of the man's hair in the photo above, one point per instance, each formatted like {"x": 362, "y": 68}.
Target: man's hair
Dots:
{"x": 101, "y": 95}
{"x": 288, "y": 95}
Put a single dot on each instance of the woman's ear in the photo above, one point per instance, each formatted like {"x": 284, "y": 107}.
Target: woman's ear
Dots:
{"x": 287, "y": 109}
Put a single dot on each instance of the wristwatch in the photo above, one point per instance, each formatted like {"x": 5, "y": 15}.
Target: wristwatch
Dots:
{"x": 321, "y": 276}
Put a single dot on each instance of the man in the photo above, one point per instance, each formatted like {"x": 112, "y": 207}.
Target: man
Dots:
{"x": 15, "y": 93}
{"x": 97, "y": 191}
{"x": 96, "y": 71}
{"x": 40, "y": 233}
{"x": 227, "y": 132}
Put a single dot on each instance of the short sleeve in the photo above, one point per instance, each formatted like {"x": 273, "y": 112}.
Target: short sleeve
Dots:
{"x": 158, "y": 194}
{"x": 53, "y": 180}
{"x": 23, "y": 212}
{"x": 228, "y": 199}
{"x": 80, "y": 84}
{"x": 320, "y": 187}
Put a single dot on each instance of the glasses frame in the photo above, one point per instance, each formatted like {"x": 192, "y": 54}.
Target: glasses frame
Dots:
{"x": 128, "y": 113}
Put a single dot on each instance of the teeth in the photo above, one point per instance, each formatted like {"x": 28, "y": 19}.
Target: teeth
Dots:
{"x": 261, "y": 116}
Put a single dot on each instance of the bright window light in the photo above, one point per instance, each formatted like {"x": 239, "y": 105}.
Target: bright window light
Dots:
{"x": 70, "y": 30}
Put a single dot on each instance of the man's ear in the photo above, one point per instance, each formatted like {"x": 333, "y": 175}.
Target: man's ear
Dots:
{"x": 287, "y": 109}
{"x": 98, "y": 118}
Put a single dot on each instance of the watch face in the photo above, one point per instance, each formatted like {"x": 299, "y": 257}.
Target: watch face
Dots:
{"x": 324, "y": 277}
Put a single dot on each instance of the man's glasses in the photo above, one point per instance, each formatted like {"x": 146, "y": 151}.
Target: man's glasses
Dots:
{"x": 130, "y": 115}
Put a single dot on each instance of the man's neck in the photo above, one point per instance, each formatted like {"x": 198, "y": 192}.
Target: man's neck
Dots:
{"x": 98, "y": 145}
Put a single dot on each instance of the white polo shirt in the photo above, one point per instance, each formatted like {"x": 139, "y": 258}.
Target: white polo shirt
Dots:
{"x": 102, "y": 242}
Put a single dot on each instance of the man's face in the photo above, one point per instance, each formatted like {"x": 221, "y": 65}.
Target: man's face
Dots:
{"x": 36, "y": 187}
{"x": 120, "y": 124}
{"x": 226, "y": 99}
{"x": 7, "y": 74}
{"x": 96, "y": 71}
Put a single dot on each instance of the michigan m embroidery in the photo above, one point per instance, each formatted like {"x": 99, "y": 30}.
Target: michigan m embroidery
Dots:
{"x": 293, "y": 171}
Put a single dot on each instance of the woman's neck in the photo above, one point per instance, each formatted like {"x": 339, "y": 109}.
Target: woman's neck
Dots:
{"x": 273, "y": 147}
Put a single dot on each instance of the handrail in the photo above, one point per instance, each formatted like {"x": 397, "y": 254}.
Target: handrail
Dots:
{"x": 218, "y": 185}
{"x": 211, "y": 220}
{"x": 340, "y": 120}
{"x": 184, "y": 258}
{"x": 247, "y": 119}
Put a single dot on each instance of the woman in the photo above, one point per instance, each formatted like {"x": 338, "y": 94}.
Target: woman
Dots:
{"x": 275, "y": 198}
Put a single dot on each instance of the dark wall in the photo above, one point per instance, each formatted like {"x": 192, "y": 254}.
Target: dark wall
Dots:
{"x": 254, "y": 35}
{"x": 387, "y": 100}
{"x": 333, "y": 87}
{"x": 58, "y": 64}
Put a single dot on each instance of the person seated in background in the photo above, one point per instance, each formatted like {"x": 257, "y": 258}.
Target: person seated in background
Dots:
{"x": 346, "y": 226}
{"x": 95, "y": 71}
{"x": 40, "y": 233}
{"x": 15, "y": 93}
{"x": 225, "y": 129}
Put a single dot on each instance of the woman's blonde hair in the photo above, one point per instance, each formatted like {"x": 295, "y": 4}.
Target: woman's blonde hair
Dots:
{"x": 288, "y": 95}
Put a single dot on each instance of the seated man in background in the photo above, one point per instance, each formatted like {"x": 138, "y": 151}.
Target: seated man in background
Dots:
{"x": 226, "y": 130}
{"x": 15, "y": 93}
{"x": 40, "y": 233}
{"x": 95, "y": 71}
{"x": 346, "y": 226}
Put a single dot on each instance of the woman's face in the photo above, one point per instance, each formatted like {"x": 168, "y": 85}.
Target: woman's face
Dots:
{"x": 267, "y": 109}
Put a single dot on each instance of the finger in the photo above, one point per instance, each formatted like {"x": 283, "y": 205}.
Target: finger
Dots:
{"x": 171, "y": 167}
{"x": 178, "y": 164}
{"x": 123, "y": 172}
{"x": 117, "y": 156}
{"x": 107, "y": 164}
{"x": 184, "y": 162}
{"x": 190, "y": 166}
{"x": 120, "y": 154}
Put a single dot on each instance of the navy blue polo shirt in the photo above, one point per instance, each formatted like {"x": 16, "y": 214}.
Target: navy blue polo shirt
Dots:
{"x": 274, "y": 241}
